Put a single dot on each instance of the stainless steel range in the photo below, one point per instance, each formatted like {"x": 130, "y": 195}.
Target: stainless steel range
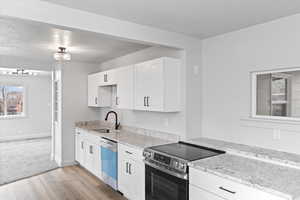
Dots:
{"x": 167, "y": 169}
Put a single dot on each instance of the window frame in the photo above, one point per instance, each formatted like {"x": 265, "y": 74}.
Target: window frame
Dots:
{"x": 253, "y": 113}
{"x": 23, "y": 115}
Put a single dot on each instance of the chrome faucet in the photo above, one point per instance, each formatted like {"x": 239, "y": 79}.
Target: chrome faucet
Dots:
{"x": 117, "y": 125}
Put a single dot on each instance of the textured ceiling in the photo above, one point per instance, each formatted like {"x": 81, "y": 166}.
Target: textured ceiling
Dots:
{"x": 30, "y": 40}
{"x": 200, "y": 18}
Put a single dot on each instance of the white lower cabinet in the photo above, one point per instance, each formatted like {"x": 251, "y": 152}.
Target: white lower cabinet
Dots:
{"x": 87, "y": 152}
{"x": 213, "y": 187}
{"x": 131, "y": 172}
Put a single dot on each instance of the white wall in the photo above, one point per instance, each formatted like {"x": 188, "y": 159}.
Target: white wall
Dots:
{"x": 168, "y": 122}
{"x": 227, "y": 62}
{"x": 74, "y": 104}
{"x": 37, "y": 106}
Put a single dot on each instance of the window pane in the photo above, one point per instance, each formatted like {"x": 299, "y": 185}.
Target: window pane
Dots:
{"x": 14, "y": 100}
{"x": 1, "y": 100}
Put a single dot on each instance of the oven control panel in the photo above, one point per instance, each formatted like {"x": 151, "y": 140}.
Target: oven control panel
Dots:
{"x": 167, "y": 161}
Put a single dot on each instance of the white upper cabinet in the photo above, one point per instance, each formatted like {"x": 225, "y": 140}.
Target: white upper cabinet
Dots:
{"x": 98, "y": 94}
{"x": 157, "y": 85}
{"x": 124, "y": 78}
{"x": 151, "y": 86}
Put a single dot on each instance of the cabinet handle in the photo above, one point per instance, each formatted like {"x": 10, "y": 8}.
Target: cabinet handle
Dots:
{"x": 226, "y": 190}
{"x": 96, "y": 100}
{"x": 126, "y": 167}
{"x": 129, "y": 168}
{"x": 105, "y": 77}
{"x": 91, "y": 149}
{"x": 148, "y": 101}
{"x": 81, "y": 145}
{"x": 145, "y": 101}
{"x": 128, "y": 152}
{"x": 117, "y": 100}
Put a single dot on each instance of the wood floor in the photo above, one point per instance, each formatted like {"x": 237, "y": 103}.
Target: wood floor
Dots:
{"x": 69, "y": 183}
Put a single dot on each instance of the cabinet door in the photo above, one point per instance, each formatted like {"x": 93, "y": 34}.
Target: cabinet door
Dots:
{"x": 199, "y": 194}
{"x": 124, "y": 181}
{"x": 137, "y": 175}
{"x": 89, "y": 157}
{"x": 93, "y": 159}
{"x": 97, "y": 166}
{"x": 124, "y": 77}
{"x": 149, "y": 85}
{"x": 93, "y": 84}
{"x": 81, "y": 151}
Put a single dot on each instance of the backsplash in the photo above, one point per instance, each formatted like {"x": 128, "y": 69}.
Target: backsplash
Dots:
{"x": 141, "y": 131}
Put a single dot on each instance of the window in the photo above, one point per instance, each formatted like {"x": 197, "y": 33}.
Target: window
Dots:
{"x": 276, "y": 94}
{"x": 11, "y": 101}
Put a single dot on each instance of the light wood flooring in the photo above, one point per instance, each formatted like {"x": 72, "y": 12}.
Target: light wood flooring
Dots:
{"x": 69, "y": 183}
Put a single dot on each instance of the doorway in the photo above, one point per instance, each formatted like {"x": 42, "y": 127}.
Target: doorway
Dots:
{"x": 26, "y": 123}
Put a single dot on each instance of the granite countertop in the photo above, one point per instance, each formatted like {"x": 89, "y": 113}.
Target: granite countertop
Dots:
{"x": 250, "y": 151}
{"x": 124, "y": 137}
{"x": 274, "y": 179}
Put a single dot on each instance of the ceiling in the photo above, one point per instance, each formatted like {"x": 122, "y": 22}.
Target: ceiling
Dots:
{"x": 200, "y": 18}
{"x": 31, "y": 40}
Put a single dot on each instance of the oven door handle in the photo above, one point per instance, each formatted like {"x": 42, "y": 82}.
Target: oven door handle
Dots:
{"x": 176, "y": 174}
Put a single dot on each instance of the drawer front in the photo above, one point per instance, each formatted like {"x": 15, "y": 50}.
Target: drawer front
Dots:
{"x": 227, "y": 189}
{"x": 130, "y": 152}
{"x": 199, "y": 194}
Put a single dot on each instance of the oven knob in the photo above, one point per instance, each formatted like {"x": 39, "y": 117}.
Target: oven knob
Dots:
{"x": 176, "y": 163}
{"x": 181, "y": 165}
{"x": 147, "y": 154}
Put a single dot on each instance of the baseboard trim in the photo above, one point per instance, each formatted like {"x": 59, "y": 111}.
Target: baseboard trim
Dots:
{"x": 66, "y": 163}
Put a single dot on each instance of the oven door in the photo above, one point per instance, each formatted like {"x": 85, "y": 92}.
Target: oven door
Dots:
{"x": 163, "y": 186}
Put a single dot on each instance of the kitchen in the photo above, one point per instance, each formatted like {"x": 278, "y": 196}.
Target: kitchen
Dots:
{"x": 184, "y": 118}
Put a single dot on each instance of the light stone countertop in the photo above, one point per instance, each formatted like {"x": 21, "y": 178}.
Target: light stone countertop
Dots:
{"x": 271, "y": 178}
{"x": 250, "y": 151}
{"x": 125, "y": 137}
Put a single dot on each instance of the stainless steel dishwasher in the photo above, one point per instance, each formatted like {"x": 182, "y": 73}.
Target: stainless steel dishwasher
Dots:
{"x": 109, "y": 162}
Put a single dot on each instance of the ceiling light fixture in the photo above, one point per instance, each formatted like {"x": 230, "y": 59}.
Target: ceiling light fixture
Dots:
{"x": 62, "y": 55}
{"x": 18, "y": 72}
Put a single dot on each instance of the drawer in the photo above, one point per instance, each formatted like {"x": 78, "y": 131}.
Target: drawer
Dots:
{"x": 130, "y": 152}
{"x": 227, "y": 189}
{"x": 200, "y": 194}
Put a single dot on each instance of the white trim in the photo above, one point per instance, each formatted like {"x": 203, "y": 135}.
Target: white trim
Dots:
{"x": 253, "y": 114}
